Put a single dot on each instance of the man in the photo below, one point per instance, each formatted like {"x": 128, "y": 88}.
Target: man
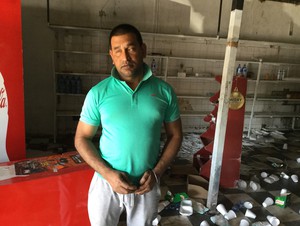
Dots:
{"x": 130, "y": 106}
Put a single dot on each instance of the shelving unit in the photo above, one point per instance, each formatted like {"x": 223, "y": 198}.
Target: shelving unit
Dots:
{"x": 80, "y": 64}
{"x": 269, "y": 98}
{"x": 83, "y": 52}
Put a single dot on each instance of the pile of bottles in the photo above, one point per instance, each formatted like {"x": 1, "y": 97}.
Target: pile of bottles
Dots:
{"x": 242, "y": 71}
{"x": 68, "y": 84}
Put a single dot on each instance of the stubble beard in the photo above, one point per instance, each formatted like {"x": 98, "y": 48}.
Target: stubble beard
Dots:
{"x": 132, "y": 72}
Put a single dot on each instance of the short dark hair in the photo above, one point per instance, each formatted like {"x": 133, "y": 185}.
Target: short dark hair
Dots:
{"x": 123, "y": 29}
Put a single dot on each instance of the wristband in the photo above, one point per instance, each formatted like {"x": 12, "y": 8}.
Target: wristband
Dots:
{"x": 156, "y": 178}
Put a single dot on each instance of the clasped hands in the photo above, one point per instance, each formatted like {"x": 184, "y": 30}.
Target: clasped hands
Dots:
{"x": 121, "y": 184}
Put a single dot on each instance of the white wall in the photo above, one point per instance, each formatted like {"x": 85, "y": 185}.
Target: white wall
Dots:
{"x": 267, "y": 21}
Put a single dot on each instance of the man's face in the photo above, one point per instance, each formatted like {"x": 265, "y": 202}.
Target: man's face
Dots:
{"x": 127, "y": 55}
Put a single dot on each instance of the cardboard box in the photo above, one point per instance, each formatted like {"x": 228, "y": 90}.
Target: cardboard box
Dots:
{"x": 181, "y": 74}
{"x": 197, "y": 187}
{"x": 185, "y": 169}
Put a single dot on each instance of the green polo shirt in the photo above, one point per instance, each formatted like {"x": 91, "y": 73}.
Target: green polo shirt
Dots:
{"x": 131, "y": 120}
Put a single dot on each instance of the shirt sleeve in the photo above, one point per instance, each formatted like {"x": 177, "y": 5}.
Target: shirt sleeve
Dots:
{"x": 90, "y": 113}
{"x": 172, "y": 112}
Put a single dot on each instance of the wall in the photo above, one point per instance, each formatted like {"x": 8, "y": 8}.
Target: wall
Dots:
{"x": 267, "y": 21}
{"x": 38, "y": 42}
{"x": 263, "y": 21}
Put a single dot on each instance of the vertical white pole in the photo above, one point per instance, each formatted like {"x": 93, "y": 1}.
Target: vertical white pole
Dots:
{"x": 227, "y": 75}
{"x": 254, "y": 97}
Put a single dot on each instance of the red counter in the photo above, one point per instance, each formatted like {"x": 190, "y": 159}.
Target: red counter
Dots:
{"x": 47, "y": 198}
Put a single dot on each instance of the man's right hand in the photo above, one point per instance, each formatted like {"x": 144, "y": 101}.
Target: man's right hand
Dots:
{"x": 120, "y": 182}
{"x": 84, "y": 145}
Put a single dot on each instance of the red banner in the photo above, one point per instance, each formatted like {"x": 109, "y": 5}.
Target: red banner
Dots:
{"x": 12, "y": 127}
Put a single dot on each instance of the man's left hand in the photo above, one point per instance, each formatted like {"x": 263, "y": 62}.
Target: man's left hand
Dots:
{"x": 147, "y": 182}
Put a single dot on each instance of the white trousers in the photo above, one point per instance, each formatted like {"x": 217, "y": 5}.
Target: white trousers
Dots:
{"x": 105, "y": 206}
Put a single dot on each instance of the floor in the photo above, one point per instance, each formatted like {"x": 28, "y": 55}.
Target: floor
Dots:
{"x": 272, "y": 153}
{"x": 265, "y": 151}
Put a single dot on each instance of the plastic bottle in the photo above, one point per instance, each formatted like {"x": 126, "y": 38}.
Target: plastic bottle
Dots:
{"x": 219, "y": 220}
{"x": 78, "y": 85}
{"x": 3, "y": 120}
{"x": 73, "y": 84}
{"x": 68, "y": 87}
{"x": 279, "y": 74}
{"x": 239, "y": 70}
{"x": 156, "y": 221}
{"x": 153, "y": 67}
{"x": 282, "y": 74}
{"x": 60, "y": 84}
{"x": 244, "y": 71}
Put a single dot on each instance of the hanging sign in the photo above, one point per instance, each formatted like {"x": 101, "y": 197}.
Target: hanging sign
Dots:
{"x": 236, "y": 100}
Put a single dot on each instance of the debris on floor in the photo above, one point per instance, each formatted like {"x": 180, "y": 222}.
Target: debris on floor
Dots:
{"x": 191, "y": 143}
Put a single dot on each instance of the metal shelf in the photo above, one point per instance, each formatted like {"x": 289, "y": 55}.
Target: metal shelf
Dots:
{"x": 193, "y": 113}
{"x": 195, "y": 58}
{"x": 277, "y": 99}
{"x": 192, "y": 96}
{"x": 71, "y": 94}
{"x": 80, "y": 52}
{"x": 272, "y": 98}
{"x": 191, "y": 77}
{"x": 276, "y": 115}
{"x": 67, "y": 113}
{"x": 291, "y": 80}
{"x": 96, "y": 74}
{"x": 167, "y": 66}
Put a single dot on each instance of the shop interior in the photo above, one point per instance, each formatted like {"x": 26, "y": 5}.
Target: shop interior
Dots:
{"x": 234, "y": 66}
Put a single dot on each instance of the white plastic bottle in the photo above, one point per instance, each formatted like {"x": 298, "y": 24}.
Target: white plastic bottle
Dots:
{"x": 239, "y": 70}
{"x": 244, "y": 71}
{"x": 153, "y": 67}
{"x": 3, "y": 120}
